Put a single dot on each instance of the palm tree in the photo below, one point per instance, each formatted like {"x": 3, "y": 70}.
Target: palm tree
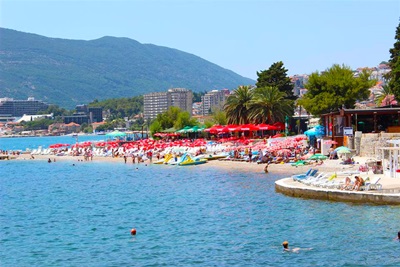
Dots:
{"x": 385, "y": 97}
{"x": 237, "y": 106}
{"x": 269, "y": 105}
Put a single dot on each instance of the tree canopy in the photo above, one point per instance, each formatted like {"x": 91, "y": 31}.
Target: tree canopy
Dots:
{"x": 394, "y": 63}
{"x": 237, "y": 105}
{"x": 276, "y": 76}
{"x": 257, "y": 105}
{"x": 334, "y": 88}
{"x": 172, "y": 118}
{"x": 269, "y": 105}
{"x": 120, "y": 107}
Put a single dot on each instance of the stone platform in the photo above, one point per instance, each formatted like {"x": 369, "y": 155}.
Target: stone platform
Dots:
{"x": 388, "y": 196}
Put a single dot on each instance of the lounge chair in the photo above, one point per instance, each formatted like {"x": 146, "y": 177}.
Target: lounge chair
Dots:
{"x": 330, "y": 182}
{"x": 310, "y": 172}
{"x": 315, "y": 180}
{"x": 372, "y": 185}
{"x": 325, "y": 181}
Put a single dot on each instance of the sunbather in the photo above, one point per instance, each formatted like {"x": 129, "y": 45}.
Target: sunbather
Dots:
{"x": 347, "y": 183}
{"x": 358, "y": 183}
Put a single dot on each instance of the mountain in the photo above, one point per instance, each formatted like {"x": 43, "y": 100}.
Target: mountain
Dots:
{"x": 71, "y": 72}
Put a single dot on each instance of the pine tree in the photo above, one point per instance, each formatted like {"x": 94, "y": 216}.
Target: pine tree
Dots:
{"x": 276, "y": 76}
{"x": 394, "y": 63}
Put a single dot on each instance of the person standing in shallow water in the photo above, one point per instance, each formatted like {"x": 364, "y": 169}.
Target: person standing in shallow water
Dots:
{"x": 250, "y": 155}
{"x": 266, "y": 168}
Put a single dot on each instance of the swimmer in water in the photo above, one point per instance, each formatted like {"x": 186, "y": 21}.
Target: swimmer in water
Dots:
{"x": 285, "y": 245}
{"x": 398, "y": 236}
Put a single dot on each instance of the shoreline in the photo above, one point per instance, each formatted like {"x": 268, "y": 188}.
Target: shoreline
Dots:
{"x": 253, "y": 167}
{"x": 389, "y": 195}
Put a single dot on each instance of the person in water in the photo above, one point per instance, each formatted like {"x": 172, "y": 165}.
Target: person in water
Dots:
{"x": 398, "y": 236}
{"x": 266, "y": 168}
{"x": 285, "y": 245}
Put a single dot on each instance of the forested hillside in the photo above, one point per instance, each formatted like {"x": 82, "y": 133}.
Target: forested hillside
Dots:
{"x": 70, "y": 72}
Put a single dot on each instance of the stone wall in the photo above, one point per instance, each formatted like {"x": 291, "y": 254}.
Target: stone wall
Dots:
{"x": 366, "y": 145}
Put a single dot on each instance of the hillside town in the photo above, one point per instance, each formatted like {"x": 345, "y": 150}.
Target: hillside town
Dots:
{"x": 13, "y": 112}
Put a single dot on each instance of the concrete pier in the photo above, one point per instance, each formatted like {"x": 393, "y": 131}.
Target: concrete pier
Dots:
{"x": 288, "y": 186}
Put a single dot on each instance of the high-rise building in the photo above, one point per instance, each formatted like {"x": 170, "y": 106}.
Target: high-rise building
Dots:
{"x": 157, "y": 103}
{"x": 181, "y": 98}
{"x": 17, "y": 108}
{"x": 213, "y": 99}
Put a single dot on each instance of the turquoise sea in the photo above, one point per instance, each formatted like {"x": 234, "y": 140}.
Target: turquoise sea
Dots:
{"x": 24, "y": 143}
{"x": 71, "y": 213}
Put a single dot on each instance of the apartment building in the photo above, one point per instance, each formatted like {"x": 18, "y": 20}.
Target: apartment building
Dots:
{"x": 214, "y": 99}
{"x": 17, "y": 108}
{"x": 157, "y": 103}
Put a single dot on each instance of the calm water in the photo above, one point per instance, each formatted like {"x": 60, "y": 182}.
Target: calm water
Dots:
{"x": 62, "y": 215}
{"x": 22, "y": 143}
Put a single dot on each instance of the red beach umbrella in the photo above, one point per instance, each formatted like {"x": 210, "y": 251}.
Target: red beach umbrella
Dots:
{"x": 247, "y": 127}
{"x": 279, "y": 125}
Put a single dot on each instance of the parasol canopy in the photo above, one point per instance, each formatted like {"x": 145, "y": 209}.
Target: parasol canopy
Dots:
{"x": 317, "y": 157}
{"x": 247, "y": 127}
{"x": 343, "y": 150}
{"x": 116, "y": 134}
{"x": 317, "y": 131}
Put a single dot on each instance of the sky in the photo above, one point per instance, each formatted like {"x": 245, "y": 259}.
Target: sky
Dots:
{"x": 245, "y": 36}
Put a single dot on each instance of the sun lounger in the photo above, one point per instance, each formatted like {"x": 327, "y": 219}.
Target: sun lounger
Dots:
{"x": 323, "y": 181}
{"x": 314, "y": 180}
{"x": 372, "y": 185}
{"x": 310, "y": 172}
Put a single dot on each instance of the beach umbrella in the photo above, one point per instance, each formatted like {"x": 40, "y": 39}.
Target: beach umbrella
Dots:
{"x": 317, "y": 157}
{"x": 299, "y": 163}
{"x": 267, "y": 127}
{"x": 343, "y": 150}
{"x": 278, "y": 135}
{"x": 330, "y": 142}
{"x": 116, "y": 133}
{"x": 214, "y": 129}
{"x": 58, "y": 145}
{"x": 284, "y": 152}
{"x": 184, "y": 130}
{"x": 247, "y": 127}
{"x": 279, "y": 125}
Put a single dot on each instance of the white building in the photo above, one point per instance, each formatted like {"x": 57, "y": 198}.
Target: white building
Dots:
{"x": 157, "y": 103}
{"x": 213, "y": 99}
